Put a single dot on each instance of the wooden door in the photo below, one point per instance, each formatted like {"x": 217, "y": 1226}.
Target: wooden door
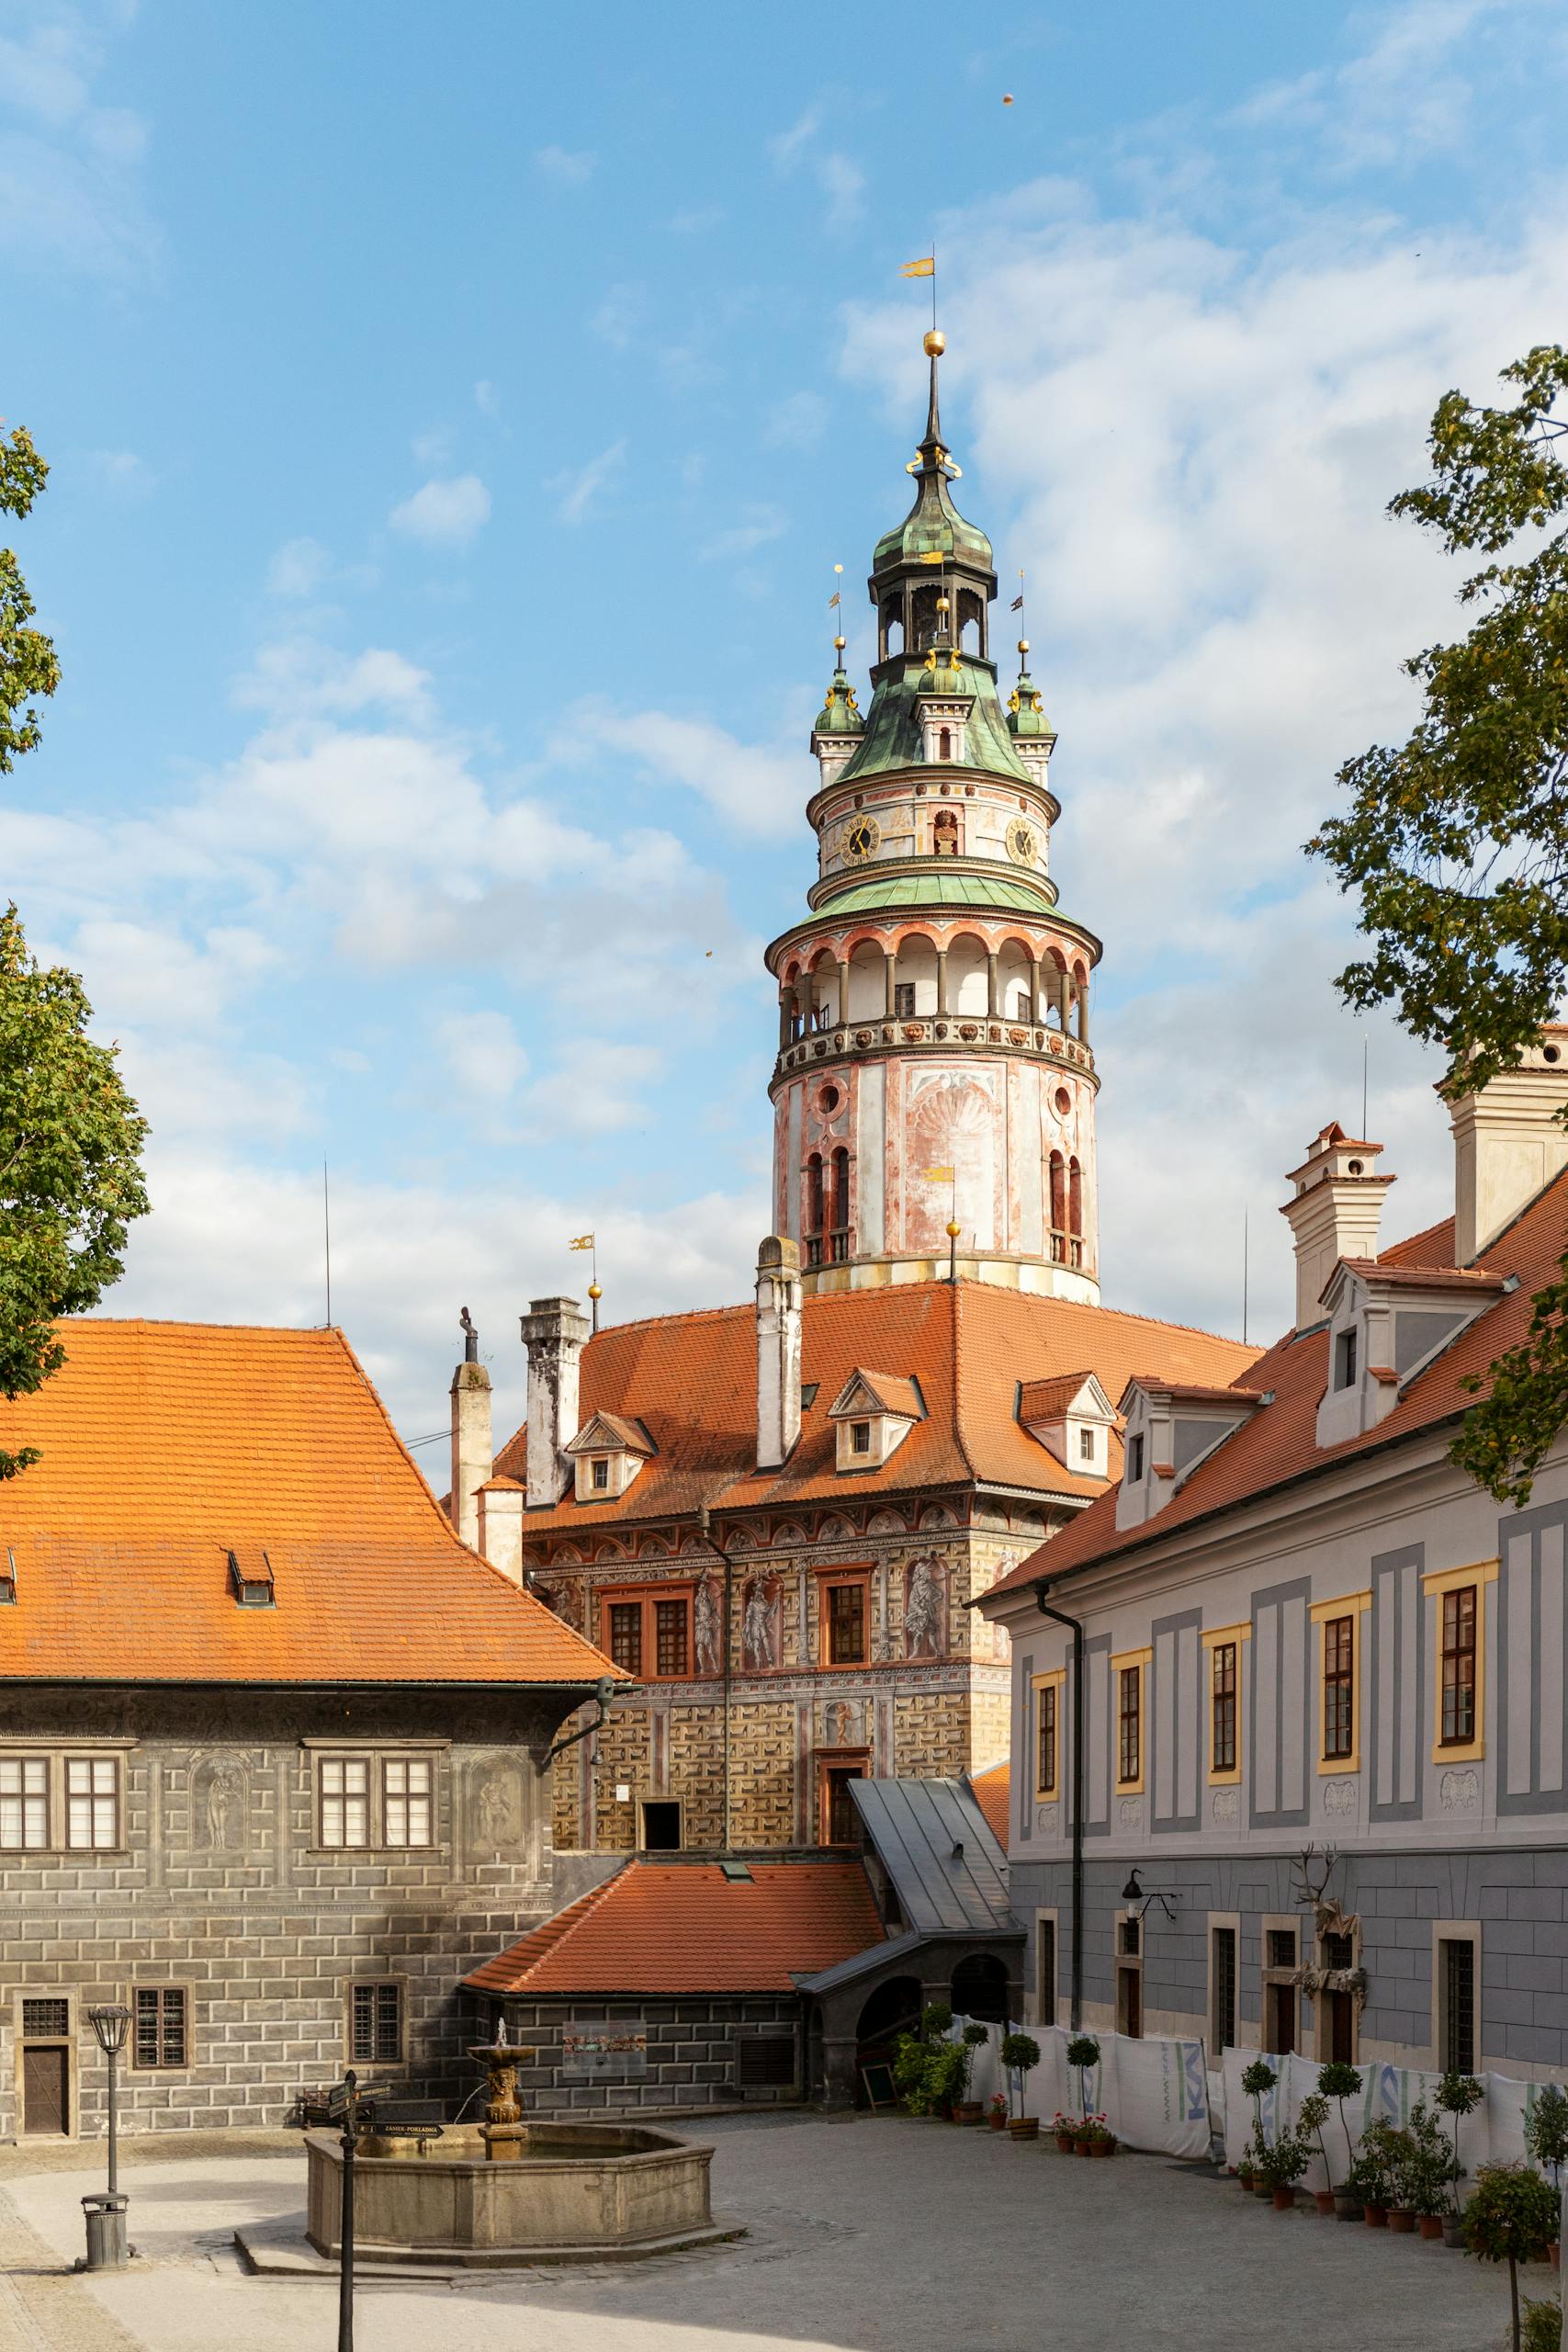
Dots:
{"x": 45, "y": 2074}
{"x": 1341, "y": 2034}
{"x": 1282, "y": 2020}
{"x": 1130, "y": 2002}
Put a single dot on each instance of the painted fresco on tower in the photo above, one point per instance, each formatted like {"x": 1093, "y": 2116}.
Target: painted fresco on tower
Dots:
{"x": 952, "y": 1121}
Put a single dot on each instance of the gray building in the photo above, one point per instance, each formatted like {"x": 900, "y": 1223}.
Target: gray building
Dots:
{"x": 1318, "y": 1676}
{"x": 273, "y": 1740}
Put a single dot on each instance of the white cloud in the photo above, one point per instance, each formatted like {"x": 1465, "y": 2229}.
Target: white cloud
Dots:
{"x": 696, "y": 219}
{"x": 786, "y": 147}
{"x": 575, "y": 492}
{"x": 298, "y": 569}
{"x": 121, "y": 471}
{"x": 299, "y": 678}
{"x": 840, "y": 181}
{"x": 797, "y": 422}
{"x": 1402, "y": 97}
{"x": 757, "y": 787}
{"x": 443, "y": 514}
{"x": 69, "y": 166}
{"x": 561, "y": 168}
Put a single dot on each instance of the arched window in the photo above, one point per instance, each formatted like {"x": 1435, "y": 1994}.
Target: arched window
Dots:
{"x": 814, "y": 1206}
{"x": 1074, "y": 1213}
{"x": 944, "y": 743}
{"x": 1059, "y": 1207}
{"x": 841, "y": 1203}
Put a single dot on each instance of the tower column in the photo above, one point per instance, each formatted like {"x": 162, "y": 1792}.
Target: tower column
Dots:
{"x": 942, "y": 979}
{"x": 1036, "y": 1010}
{"x": 890, "y": 971}
{"x": 1080, "y": 989}
{"x": 786, "y": 999}
{"x": 1064, "y": 1012}
{"x": 993, "y": 997}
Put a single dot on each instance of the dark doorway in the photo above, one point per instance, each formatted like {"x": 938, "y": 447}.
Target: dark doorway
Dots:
{"x": 1130, "y": 2002}
{"x": 1340, "y": 2028}
{"x": 981, "y": 1990}
{"x": 841, "y": 1822}
{"x": 45, "y": 2075}
{"x": 1279, "y": 2019}
{"x": 894, "y": 2008}
{"x": 661, "y": 1828}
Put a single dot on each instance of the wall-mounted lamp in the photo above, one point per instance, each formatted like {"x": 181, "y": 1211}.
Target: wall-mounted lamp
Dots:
{"x": 1133, "y": 1893}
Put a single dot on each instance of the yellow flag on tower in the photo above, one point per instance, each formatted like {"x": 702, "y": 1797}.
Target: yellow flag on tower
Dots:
{"x": 925, "y": 267}
{"x": 583, "y": 1241}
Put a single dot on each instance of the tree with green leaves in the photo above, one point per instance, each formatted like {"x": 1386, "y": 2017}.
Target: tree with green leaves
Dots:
{"x": 1456, "y": 841}
{"x": 71, "y": 1136}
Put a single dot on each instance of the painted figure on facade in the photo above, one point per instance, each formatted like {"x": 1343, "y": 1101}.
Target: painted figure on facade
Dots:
{"x": 923, "y": 1612}
{"x": 760, "y": 1627}
{"x": 221, "y": 1795}
{"x": 705, "y": 1628}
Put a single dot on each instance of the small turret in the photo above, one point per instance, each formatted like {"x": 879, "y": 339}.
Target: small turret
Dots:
{"x": 839, "y": 726}
{"x": 1034, "y": 737}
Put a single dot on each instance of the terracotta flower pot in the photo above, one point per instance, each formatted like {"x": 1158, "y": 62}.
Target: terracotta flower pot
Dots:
{"x": 1346, "y": 2207}
{"x": 1102, "y": 2148}
{"x": 1246, "y": 2180}
{"x": 1084, "y": 2147}
{"x": 1324, "y": 2199}
{"x": 1431, "y": 2225}
{"x": 1375, "y": 2216}
{"x": 1261, "y": 2188}
{"x": 1065, "y": 2142}
{"x": 1025, "y": 2127}
{"x": 1284, "y": 2201}
{"x": 1401, "y": 2220}
{"x": 998, "y": 2122}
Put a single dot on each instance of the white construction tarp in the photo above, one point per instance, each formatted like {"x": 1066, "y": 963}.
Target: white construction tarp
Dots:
{"x": 1493, "y": 2133}
{"x": 1154, "y": 2094}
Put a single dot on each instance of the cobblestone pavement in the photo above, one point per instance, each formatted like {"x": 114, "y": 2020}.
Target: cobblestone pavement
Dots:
{"x": 864, "y": 2236}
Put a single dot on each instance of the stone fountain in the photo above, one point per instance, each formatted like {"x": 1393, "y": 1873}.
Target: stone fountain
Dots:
{"x": 503, "y": 2131}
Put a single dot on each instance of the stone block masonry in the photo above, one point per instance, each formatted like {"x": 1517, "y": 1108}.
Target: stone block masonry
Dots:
{"x": 692, "y": 2057}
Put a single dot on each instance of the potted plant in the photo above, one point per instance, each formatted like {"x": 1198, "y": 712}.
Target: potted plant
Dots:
{"x": 1339, "y": 2082}
{"x": 1243, "y": 2170}
{"x": 1083, "y": 2053}
{"x": 1544, "y": 2326}
{"x": 1021, "y": 2055}
{"x": 1428, "y": 2170}
{"x": 1283, "y": 2165}
{"x": 1309, "y": 2120}
{"x": 1100, "y": 2138}
{"x": 1546, "y": 2137}
{"x": 1398, "y": 2151}
{"x": 1510, "y": 2218}
{"x": 996, "y": 2112}
{"x": 1367, "y": 2180}
{"x": 965, "y": 2109}
{"x": 1065, "y": 2129}
{"x": 1457, "y": 2095}
{"x": 1257, "y": 2079}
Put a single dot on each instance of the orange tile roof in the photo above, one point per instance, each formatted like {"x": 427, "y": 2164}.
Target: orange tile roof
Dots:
{"x": 692, "y": 1380}
{"x": 993, "y": 1794}
{"x": 163, "y": 1445}
{"x": 684, "y": 1928}
{"x": 1277, "y": 1442}
{"x": 1043, "y": 1400}
{"x": 892, "y": 1391}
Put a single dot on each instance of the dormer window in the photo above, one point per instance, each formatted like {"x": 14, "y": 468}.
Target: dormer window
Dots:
{"x": 1345, "y": 1353}
{"x": 1172, "y": 1428}
{"x": 607, "y": 1452}
{"x": 1086, "y": 1445}
{"x": 1135, "y": 1457}
{"x": 1072, "y": 1416}
{"x": 1386, "y": 1324}
{"x": 874, "y": 1413}
{"x": 250, "y": 1578}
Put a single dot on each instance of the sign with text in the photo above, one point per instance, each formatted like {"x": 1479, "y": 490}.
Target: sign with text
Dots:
{"x": 591, "y": 2053}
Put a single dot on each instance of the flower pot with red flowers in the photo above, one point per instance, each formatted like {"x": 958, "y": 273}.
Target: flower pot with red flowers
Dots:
{"x": 996, "y": 2112}
{"x": 1065, "y": 2130}
{"x": 1096, "y": 2137}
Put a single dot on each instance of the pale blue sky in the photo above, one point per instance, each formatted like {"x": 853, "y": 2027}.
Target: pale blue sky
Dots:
{"x": 456, "y": 417}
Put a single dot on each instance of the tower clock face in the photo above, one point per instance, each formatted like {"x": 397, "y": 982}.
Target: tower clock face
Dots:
{"x": 1023, "y": 842}
{"x": 862, "y": 837}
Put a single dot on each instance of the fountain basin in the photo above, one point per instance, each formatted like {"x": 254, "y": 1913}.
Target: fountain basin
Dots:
{"x": 574, "y": 2192}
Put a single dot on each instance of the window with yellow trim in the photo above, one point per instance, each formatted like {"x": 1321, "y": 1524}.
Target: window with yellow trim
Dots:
{"x": 1045, "y": 1739}
{"x": 1338, "y": 1689}
{"x": 1457, "y": 1659}
{"x": 1129, "y": 1725}
{"x": 1224, "y": 1694}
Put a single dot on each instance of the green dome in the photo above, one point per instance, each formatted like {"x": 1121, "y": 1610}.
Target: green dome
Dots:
{"x": 933, "y": 526}
{"x": 837, "y": 714}
{"x": 1026, "y": 712}
{"x": 938, "y": 889}
{"x": 892, "y": 737}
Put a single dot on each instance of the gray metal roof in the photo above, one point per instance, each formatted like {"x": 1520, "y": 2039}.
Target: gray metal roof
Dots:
{"x": 915, "y": 1827}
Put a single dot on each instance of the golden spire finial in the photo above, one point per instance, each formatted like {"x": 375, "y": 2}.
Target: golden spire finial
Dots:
{"x": 935, "y": 343}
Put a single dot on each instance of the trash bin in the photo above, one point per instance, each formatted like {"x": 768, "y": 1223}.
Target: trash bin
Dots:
{"x": 106, "y": 2231}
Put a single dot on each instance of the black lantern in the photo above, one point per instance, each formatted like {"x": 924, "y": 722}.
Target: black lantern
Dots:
{"x": 111, "y": 2023}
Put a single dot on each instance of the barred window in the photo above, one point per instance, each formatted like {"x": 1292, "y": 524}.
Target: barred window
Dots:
{"x": 1045, "y": 1735}
{"x": 345, "y": 1800}
{"x": 378, "y": 2029}
{"x": 1222, "y": 1755}
{"x": 161, "y": 2037}
{"x": 405, "y": 1800}
{"x": 1459, "y": 1667}
{"x": 24, "y": 1805}
{"x": 669, "y": 1619}
{"x": 1338, "y": 1688}
{"x": 626, "y": 1634}
{"x": 91, "y": 1803}
{"x": 1457, "y": 2000}
{"x": 46, "y": 2021}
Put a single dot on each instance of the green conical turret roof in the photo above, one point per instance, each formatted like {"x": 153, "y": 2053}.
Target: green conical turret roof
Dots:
{"x": 933, "y": 524}
{"x": 1026, "y": 710}
{"x": 838, "y": 714}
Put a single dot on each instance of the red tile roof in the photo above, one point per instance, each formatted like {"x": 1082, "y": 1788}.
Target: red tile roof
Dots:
{"x": 684, "y": 1928}
{"x": 165, "y": 1445}
{"x": 993, "y": 1793}
{"x": 892, "y": 1392}
{"x": 1429, "y": 1276}
{"x": 1043, "y": 1400}
{"x": 1277, "y": 1442}
{"x": 692, "y": 1380}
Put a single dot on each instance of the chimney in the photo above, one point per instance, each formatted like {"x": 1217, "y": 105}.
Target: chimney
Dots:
{"x": 501, "y": 1526}
{"x": 470, "y": 1446}
{"x": 1334, "y": 1214}
{"x": 553, "y": 1333}
{"x": 778, "y": 1350}
{"x": 1508, "y": 1144}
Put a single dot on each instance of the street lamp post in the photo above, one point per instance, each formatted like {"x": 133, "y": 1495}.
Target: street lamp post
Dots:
{"x": 105, "y": 2214}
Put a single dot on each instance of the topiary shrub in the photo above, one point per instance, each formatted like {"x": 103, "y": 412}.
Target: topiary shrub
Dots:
{"x": 1339, "y": 2082}
{"x": 1083, "y": 2052}
{"x": 1510, "y": 2218}
{"x": 1457, "y": 2095}
{"x": 1021, "y": 2055}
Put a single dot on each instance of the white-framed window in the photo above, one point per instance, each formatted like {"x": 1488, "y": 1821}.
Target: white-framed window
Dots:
{"x": 24, "y": 1805}
{"x": 406, "y": 1791}
{"x": 344, "y": 1785}
{"x": 91, "y": 1804}
{"x": 375, "y": 1800}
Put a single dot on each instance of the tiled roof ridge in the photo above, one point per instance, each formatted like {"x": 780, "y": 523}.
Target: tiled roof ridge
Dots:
{"x": 960, "y": 1435}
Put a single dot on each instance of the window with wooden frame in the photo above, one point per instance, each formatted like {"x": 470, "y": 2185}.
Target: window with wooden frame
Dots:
{"x": 649, "y": 1631}
{"x": 1224, "y": 1682}
{"x": 1457, "y": 1655}
{"x": 91, "y": 1804}
{"x": 1338, "y": 1688}
{"x": 160, "y": 2033}
{"x": 369, "y": 1801}
{"x": 24, "y": 1805}
{"x": 376, "y": 2022}
{"x": 1129, "y": 1726}
{"x": 1046, "y": 1703}
{"x": 843, "y": 1622}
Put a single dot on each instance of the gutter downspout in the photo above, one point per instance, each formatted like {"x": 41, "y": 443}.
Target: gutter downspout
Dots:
{"x": 1075, "y": 1627}
{"x": 719, "y": 1552}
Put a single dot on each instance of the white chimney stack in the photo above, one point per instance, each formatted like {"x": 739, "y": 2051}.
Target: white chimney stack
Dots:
{"x": 1508, "y": 1143}
{"x": 552, "y": 1332}
{"x": 471, "y": 1439}
{"x": 778, "y": 1350}
{"x": 1333, "y": 1213}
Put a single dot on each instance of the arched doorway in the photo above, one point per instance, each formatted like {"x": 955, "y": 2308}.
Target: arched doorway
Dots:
{"x": 981, "y": 1990}
{"x": 892, "y": 2009}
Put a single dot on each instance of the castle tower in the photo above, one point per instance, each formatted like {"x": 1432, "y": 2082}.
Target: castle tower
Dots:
{"x": 934, "y": 1067}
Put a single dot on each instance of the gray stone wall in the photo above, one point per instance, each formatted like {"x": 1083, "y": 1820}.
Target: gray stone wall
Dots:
{"x": 219, "y": 1885}
{"x": 691, "y": 2051}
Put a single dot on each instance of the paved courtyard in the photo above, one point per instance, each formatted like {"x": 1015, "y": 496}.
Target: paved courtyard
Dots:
{"x": 865, "y": 2236}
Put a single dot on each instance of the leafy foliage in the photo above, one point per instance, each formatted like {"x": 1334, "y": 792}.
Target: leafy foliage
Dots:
{"x": 1339, "y": 2082}
{"x": 1457, "y": 841}
{"x": 1544, "y": 2326}
{"x": 71, "y": 1142}
{"x": 28, "y": 668}
{"x": 1511, "y": 2218}
{"x": 1546, "y": 2129}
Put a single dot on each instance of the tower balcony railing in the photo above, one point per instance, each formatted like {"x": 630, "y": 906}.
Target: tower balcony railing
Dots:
{"x": 933, "y": 1033}
{"x": 1067, "y": 1249}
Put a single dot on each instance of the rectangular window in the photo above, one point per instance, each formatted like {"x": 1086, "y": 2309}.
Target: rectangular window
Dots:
{"x": 1135, "y": 1457}
{"x": 377, "y": 2025}
{"x": 904, "y": 1001}
{"x": 1338, "y": 1687}
{"x": 1045, "y": 1970}
{"x": 1086, "y": 1445}
{"x": 1345, "y": 1353}
{"x": 1459, "y": 1667}
{"x": 626, "y": 1634}
{"x": 1221, "y": 1751}
{"x": 859, "y": 1437}
{"x": 846, "y": 1624}
{"x": 1045, "y": 1740}
{"x": 1222, "y": 1982}
{"x": 160, "y": 2021}
{"x": 1129, "y": 1751}
{"x": 601, "y": 1477}
{"x": 766, "y": 2060}
{"x": 405, "y": 1800}
{"x": 24, "y": 1805}
{"x": 345, "y": 1800}
{"x": 1456, "y": 1960}
{"x": 46, "y": 2021}
{"x": 670, "y": 1620}
{"x": 91, "y": 1803}
{"x": 1282, "y": 1947}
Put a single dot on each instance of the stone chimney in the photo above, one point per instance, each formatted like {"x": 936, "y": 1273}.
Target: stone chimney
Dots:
{"x": 552, "y": 1332}
{"x": 1508, "y": 1143}
{"x": 471, "y": 1444}
{"x": 501, "y": 1526}
{"x": 1334, "y": 1214}
{"x": 778, "y": 1350}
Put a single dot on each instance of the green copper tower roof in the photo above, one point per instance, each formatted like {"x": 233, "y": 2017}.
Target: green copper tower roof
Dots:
{"x": 937, "y": 889}
{"x": 893, "y": 739}
{"x": 933, "y": 526}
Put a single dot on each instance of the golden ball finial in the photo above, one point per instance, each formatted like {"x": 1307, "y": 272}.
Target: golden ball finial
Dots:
{"x": 942, "y": 604}
{"x": 1023, "y": 645}
{"x": 954, "y": 1230}
{"x": 935, "y": 343}
{"x": 840, "y": 643}
{"x": 594, "y": 1291}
